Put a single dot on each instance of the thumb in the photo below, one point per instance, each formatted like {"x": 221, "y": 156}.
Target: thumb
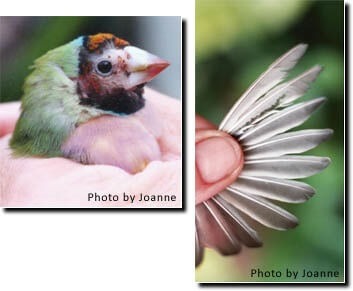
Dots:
{"x": 219, "y": 161}
{"x": 9, "y": 113}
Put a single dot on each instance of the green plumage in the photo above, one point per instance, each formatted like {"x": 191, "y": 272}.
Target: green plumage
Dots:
{"x": 50, "y": 104}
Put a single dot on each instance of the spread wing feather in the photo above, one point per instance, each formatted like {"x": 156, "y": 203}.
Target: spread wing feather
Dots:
{"x": 214, "y": 231}
{"x": 260, "y": 209}
{"x": 288, "y": 143}
{"x": 286, "y": 167}
{"x": 280, "y": 122}
{"x": 242, "y": 230}
{"x": 275, "y": 74}
{"x": 199, "y": 249}
{"x": 283, "y": 94}
{"x": 274, "y": 188}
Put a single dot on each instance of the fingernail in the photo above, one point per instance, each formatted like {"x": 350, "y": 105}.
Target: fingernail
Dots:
{"x": 217, "y": 158}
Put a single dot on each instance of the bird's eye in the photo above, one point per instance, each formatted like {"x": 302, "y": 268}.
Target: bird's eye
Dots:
{"x": 104, "y": 67}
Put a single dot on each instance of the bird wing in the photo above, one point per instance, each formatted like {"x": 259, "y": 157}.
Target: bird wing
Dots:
{"x": 259, "y": 121}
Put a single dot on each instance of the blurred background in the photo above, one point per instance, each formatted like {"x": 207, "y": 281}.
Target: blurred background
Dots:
{"x": 236, "y": 40}
{"x": 24, "y": 39}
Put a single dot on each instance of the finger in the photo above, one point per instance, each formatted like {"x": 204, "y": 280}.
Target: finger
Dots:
{"x": 219, "y": 161}
{"x": 9, "y": 113}
{"x": 202, "y": 123}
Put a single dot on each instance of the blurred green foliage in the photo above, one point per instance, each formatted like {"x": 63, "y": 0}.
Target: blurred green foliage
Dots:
{"x": 49, "y": 33}
{"x": 236, "y": 40}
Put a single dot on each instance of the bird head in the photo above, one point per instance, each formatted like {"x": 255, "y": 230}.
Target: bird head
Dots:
{"x": 112, "y": 73}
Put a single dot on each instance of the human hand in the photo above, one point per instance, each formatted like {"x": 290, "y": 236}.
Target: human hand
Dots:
{"x": 59, "y": 182}
{"x": 219, "y": 160}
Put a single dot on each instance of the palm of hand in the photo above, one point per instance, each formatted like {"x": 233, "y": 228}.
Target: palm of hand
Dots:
{"x": 32, "y": 181}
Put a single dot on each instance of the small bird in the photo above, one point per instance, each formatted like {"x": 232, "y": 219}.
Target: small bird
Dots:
{"x": 259, "y": 121}
{"x": 84, "y": 101}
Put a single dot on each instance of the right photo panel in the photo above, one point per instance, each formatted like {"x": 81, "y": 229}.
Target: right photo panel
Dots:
{"x": 270, "y": 157}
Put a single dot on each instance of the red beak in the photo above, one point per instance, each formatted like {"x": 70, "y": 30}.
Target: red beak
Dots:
{"x": 155, "y": 68}
{"x": 142, "y": 66}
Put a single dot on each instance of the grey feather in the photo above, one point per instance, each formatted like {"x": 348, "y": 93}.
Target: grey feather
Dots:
{"x": 286, "y": 167}
{"x": 275, "y": 74}
{"x": 287, "y": 143}
{"x": 255, "y": 121}
{"x": 198, "y": 247}
{"x": 214, "y": 230}
{"x": 275, "y": 189}
{"x": 285, "y": 93}
{"x": 242, "y": 230}
{"x": 280, "y": 122}
{"x": 260, "y": 209}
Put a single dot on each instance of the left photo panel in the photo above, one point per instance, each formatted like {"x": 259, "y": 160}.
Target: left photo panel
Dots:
{"x": 91, "y": 112}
